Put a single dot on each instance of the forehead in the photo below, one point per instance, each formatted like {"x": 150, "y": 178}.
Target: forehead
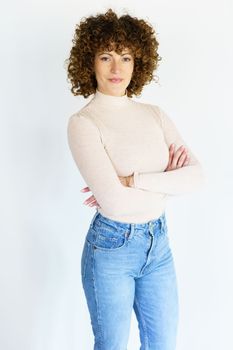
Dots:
{"x": 124, "y": 51}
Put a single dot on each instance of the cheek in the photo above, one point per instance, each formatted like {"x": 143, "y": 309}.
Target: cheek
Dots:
{"x": 101, "y": 70}
{"x": 98, "y": 73}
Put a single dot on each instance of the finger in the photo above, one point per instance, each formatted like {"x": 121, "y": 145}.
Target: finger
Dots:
{"x": 182, "y": 160}
{"x": 177, "y": 156}
{"x": 90, "y": 204}
{"x": 85, "y": 189}
{"x": 94, "y": 204}
{"x": 171, "y": 153}
{"x": 88, "y": 200}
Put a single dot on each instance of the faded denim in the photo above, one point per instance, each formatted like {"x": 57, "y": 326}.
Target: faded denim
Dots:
{"x": 128, "y": 266}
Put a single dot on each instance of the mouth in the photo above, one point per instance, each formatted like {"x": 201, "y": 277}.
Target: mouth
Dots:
{"x": 116, "y": 80}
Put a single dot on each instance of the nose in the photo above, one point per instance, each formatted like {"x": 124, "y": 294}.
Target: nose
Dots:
{"x": 115, "y": 67}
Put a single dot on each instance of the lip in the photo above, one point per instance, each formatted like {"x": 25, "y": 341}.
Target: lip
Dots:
{"x": 116, "y": 80}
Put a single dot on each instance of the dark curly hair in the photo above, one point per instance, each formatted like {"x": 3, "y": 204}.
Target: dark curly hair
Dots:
{"x": 108, "y": 32}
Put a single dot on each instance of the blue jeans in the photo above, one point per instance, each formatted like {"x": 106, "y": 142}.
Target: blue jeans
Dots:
{"x": 128, "y": 266}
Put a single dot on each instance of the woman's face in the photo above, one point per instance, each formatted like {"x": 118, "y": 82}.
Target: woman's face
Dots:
{"x": 113, "y": 72}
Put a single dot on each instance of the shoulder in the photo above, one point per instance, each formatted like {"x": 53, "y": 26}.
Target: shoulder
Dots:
{"x": 81, "y": 126}
{"x": 82, "y": 117}
{"x": 82, "y": 112}
{"x": 150, "y": 108}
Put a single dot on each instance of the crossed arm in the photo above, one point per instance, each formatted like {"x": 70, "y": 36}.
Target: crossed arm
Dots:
{"x": 140, "y": 190}
{"x": 177, "y": 159}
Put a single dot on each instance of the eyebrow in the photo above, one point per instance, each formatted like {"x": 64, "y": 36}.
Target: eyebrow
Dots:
{"x": 105, "y": 52}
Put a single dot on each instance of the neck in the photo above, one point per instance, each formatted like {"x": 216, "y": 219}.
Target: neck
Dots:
{"x": 110, "y": 100}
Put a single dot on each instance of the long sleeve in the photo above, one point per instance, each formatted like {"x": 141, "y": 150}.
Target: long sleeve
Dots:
{"x": 97, "y": 170}
{"x": 175, "y": 182}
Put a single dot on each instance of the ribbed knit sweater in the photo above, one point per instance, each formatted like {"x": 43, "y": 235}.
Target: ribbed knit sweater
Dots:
{"x": 115, "y": 136}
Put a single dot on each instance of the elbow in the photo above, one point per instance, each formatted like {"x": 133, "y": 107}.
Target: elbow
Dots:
{"x": 195, "y": 181}
{"x": 111, "y": 202}
{"x": 117, "y": 202}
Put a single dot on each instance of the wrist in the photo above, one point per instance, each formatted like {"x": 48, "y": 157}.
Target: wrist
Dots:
{"x": 131, "y": 181}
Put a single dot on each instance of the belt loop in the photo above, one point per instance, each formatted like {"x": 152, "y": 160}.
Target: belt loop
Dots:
{"x": 162, "y": 219}
{"x": 163, "y": 222}
{"x": 151, "y": 226}
{"x": 131, "y": 233}
{"x": 93, "y": 219}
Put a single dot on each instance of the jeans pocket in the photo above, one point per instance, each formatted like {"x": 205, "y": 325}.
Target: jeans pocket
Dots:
{"x": 106, "y": 237}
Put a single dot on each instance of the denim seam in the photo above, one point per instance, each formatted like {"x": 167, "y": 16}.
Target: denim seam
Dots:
{"x": 85, "y": 259}
{"x": 96, "y": 303}
{"x": 143, "y": 324}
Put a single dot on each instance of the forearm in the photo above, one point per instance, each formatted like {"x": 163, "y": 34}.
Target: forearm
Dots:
{"x": 175, "y": 182}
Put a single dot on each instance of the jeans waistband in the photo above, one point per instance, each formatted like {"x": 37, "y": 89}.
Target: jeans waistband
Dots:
{"x": 126, "y": 225}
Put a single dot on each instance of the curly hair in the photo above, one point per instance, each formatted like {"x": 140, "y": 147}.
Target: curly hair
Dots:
{"x": 108, "y": 32}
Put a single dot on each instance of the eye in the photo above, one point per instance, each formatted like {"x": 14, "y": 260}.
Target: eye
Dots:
{"x": 127, "y": 59}
{"x": 104, "y": 58}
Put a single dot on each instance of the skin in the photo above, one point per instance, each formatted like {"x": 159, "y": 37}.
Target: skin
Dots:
{"x": 108, "y": 65}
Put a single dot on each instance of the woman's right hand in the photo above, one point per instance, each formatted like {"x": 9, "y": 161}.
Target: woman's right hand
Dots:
{"x": 177, "y": 159}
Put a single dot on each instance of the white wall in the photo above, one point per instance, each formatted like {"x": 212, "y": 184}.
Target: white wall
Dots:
{"x": 43, "y": 221}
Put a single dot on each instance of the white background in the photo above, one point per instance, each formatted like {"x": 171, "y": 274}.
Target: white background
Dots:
{"x": 43, "y": 219}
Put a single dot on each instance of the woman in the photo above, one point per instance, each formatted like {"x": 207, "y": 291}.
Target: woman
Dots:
{"x": 132, "y": 158}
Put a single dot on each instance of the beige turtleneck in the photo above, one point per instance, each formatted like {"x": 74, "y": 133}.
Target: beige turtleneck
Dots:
{"x": 115, "y": 136}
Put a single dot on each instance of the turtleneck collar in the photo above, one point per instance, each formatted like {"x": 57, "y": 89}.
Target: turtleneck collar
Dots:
{"x": 110, "y": 100}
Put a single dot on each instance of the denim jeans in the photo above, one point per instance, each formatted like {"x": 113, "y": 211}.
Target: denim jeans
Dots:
{"x": 127, "y": 266}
